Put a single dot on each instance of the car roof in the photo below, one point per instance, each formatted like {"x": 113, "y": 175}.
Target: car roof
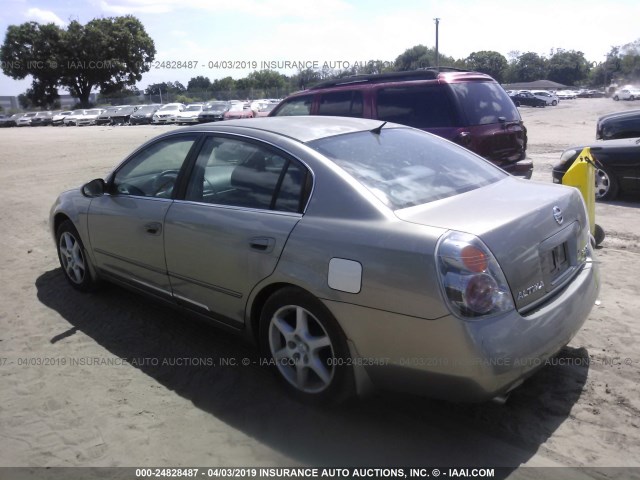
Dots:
{"x": 609, "y": 144}
{"x": 622, "y": 113}
{"x": 440, "y": 73}
{"x": 301, "y": 128}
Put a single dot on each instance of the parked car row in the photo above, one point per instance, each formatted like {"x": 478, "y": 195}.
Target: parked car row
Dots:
{"x": 177, "y": 113}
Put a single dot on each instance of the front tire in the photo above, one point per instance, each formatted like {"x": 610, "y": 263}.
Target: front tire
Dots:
{"x": 73, "y": 258}
{"x": 306, "y": 347}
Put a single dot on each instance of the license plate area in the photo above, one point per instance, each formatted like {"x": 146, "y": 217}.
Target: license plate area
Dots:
{"x": 556, "y": 262}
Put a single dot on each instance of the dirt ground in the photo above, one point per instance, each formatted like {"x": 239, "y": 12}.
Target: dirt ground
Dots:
{"x": 83, "y": 381}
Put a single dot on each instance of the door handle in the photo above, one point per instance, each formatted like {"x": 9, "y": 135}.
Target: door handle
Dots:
{"x": 153, "y": 228}
{"x": 262, "y": 244}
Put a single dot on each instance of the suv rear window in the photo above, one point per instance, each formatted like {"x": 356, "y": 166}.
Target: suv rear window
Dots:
{"x": 485, "y": 102}
{"x": 419, "y": 107}
{"x": 341, "y": 104}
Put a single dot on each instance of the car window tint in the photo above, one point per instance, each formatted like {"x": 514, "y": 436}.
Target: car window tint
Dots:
{"x": 244, "y": 174}
{"x": 342, "y": 104}
{"x": 295, "y": 106}
{"x": 154, "y": 170}
{"x": 419, "y": 107}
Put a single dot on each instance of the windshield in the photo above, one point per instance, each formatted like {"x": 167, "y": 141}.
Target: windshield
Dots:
{"x": 146, "y": 109}
{"x": 485, "y": 102}
{"x": 404, "y": 167}
{"x": 94, "y": 112}
{"x": 194, "y": 108}
{"x": 216, "y": 106}
{"x": 170, "y": 107}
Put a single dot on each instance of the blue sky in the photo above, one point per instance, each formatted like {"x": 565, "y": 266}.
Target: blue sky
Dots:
{"x": 345, "y": 31}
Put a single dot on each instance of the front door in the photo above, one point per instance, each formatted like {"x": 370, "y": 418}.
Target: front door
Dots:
{"x": 126, "y": 225}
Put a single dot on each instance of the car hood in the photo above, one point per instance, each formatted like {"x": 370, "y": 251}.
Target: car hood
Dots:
{"x": 515, "y": 219}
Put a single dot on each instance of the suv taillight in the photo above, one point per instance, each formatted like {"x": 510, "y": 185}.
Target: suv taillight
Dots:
{"x": 472, "y": 281}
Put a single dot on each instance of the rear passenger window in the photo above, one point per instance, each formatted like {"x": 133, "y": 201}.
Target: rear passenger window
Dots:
{"x": 341, "y": 104}
{"x": 419, "y": 107}
{"x": 246, "y": 174}
{"x": 296, "y": 106}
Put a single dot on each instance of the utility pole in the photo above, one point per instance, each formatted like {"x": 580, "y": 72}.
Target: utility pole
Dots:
{"x": 437, "y": 20}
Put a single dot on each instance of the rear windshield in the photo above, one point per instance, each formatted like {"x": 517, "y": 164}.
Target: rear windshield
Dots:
{"x": 485, "y": 102}
{"x": 404, "y": 167}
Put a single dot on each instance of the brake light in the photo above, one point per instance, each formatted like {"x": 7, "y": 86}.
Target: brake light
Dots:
{"x": 472, "y": 281}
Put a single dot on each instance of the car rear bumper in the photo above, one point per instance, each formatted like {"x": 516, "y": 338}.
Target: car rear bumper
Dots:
{"x": 460, "y": 360}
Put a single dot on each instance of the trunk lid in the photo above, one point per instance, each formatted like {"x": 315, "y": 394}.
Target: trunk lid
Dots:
{"x": 536, "y": 231}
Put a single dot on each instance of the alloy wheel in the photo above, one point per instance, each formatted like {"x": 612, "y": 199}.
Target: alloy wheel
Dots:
{"x": 301, "y": 349}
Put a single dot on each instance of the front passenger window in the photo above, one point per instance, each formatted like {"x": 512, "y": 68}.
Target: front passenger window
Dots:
{"x": 153, "y": 172}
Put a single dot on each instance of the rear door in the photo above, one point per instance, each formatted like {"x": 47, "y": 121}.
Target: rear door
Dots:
{"x": 242, "y": 201}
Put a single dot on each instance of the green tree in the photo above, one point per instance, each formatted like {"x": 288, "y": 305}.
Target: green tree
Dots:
{"x": 198, "y": 84}
{"x": 420, "y": 56}
{"x": 24, "y": 101}
{"x": 43, "y": 95}
{"x": 568, "y": 67}
{"x": 629, "y": 61}
{"x": 528, "y": 67}
{"x": 224, "y": 88}
{"x": 489, "y": 62}
{"x": 31, "y": 49}
{"x": 106, "y": 54}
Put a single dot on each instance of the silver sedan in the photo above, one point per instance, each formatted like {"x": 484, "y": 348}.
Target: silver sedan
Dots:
{"x": 356, "y": 253}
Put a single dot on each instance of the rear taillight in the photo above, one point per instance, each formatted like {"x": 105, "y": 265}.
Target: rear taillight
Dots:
{"x": 472, "y": 281}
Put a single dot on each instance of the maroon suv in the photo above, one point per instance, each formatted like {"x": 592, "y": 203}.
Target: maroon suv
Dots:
{"x": 468, "y": 108}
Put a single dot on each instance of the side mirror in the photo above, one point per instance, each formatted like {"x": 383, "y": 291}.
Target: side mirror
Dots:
{"x": 95, "y": 188}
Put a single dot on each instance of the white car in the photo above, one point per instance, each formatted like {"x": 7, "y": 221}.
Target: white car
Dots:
{"x": 189, "y": 114}
{"x": 25, "y": 120}
{"x": 73, "y": 118}
{"x": 566, "y": 94}
{"x": 168, "y": 113}
{"x": 89, "y": 117}
{"x": 550, "y": 98}
{"x": 627, "y": 94}
{"x": 58, "y": 118}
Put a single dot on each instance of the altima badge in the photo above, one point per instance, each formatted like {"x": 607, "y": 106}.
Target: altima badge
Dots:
{"x": 557, "y": 214}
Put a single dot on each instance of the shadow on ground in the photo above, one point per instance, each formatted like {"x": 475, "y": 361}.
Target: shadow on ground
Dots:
{"x": 387, "y": 429}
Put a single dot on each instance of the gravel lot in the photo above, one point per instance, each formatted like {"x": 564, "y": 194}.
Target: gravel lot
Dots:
{"x": 81, "y": 385}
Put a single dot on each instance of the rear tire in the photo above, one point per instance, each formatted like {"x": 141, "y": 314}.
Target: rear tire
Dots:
{"x": 306, "y": 347}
